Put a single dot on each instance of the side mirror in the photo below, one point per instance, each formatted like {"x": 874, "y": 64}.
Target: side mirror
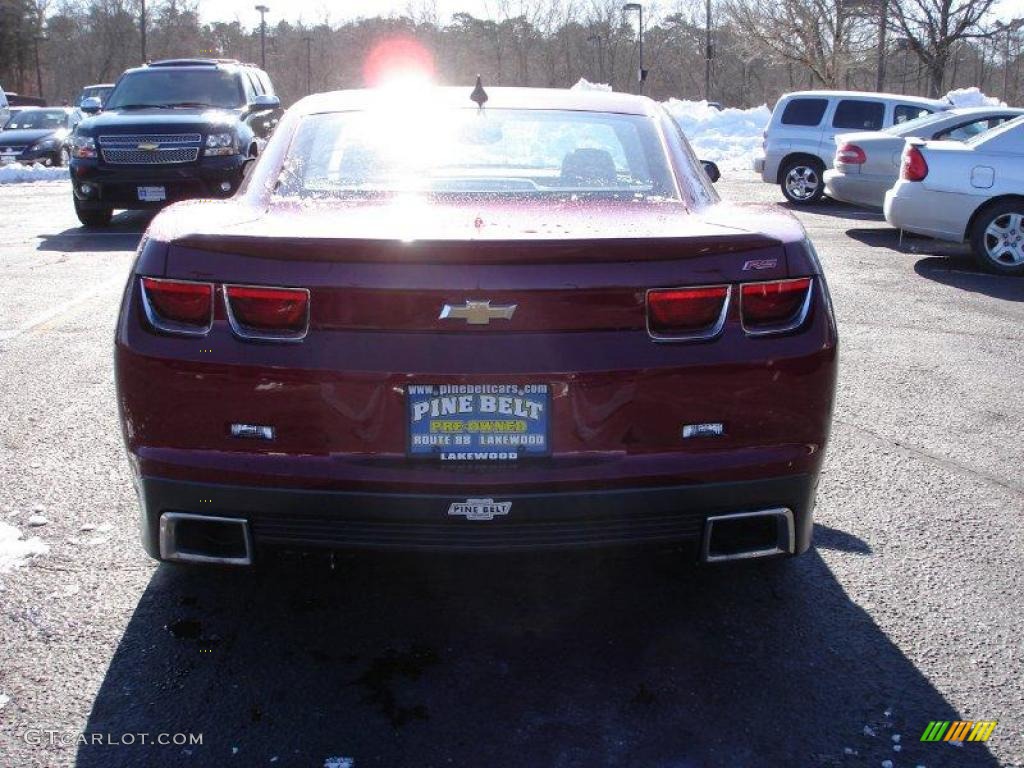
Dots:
{"x": 711, "y": 170}
{"x": 91, "y": 105}
{"x": 265, "y": 103}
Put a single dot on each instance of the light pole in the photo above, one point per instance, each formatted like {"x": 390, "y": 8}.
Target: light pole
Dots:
{"x": 263, "y": 35}
{"x": 640, "y": 38}
{"x": 142, "y": 30}
{"x": 39, "y": 72}
{"x": 596, "y": 38}
{"x": 309, "y": 64}
{"x": 708, "y": 53}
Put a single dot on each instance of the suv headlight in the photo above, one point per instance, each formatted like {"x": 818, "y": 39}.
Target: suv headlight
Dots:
{"x": 46, "y": 144}
{"x": 221, "y": 144}
{"x": 83, "y": 147}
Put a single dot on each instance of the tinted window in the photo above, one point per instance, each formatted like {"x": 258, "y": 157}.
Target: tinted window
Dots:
{"x": 175, "y": 86}
{"x": 513, "y": 153}
{"x": 907, "y": 112}
{"x": 862, "y": 115}
{"x": 804, "y": 111}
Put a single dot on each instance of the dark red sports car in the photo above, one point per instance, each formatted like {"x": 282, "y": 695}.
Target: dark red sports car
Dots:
{"x": 424, "y": 323}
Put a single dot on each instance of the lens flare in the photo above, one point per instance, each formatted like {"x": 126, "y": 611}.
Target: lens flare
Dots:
{"x": 398, "y": 62}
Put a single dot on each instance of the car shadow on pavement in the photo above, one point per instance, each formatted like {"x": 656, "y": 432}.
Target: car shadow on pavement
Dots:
{"x": 834, "y": 209}
{"x": 887, "y": 237}
{"x": 962, "y": 272}
{"x": 582, "y": 659}
{"x": 123, "y": 233}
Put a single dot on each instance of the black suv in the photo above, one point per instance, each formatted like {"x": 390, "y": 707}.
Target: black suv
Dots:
{"x": 171, "y": 130}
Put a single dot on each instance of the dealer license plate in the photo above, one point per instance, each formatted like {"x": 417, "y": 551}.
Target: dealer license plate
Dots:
{"x": 152, "y": 194}
{"x": 479, "y": 422}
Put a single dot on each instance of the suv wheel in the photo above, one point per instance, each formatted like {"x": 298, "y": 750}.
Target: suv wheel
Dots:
{"x": 93, "y": 217}
{"x": 802, "y": 181}
{"x": 997, "y": 238}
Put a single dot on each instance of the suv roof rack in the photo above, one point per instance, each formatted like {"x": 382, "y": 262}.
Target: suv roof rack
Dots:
{"x": 191, "y": 62}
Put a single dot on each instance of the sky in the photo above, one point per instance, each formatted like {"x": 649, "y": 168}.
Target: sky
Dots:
{"x": 311, "y": 11}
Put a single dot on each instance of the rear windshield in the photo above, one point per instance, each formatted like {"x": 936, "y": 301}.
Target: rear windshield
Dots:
{"x": 38, "y": 119}
{"x": 177, "y": 87}
{"x": 494, "y": 152}
{"x": 908, "y": 127}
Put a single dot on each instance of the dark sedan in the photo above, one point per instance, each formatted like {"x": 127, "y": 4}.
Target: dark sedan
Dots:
{"x": 38, "y": 135}
{"x": 526, "y": 324}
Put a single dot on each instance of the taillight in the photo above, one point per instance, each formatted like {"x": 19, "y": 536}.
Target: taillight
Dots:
{"x": 178, "y": 306}
{"x": 687, "y": 313}
{"x": 775, "y": 306}
{"x": 913, "y": 166}
{"x": 851, "y": 154}
{"x": 258, "y": 312}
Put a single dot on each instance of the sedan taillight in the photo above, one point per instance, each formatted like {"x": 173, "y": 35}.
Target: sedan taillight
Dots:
{"x": 258, "y": 312}
{"x": 776, "y": 306}
{"x": 851, "y": 154}
{"x": 687, "y": 313}
{"x": 913, "y": 166}
{"x": 178, "y": 306}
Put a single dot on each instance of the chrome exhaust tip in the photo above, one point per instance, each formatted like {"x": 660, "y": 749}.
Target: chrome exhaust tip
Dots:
{"x": 188, "y": 538}
{"x": 746, "y": 535}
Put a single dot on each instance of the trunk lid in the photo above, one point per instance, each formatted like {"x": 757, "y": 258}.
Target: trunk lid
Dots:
{"x": 395, "y": 266}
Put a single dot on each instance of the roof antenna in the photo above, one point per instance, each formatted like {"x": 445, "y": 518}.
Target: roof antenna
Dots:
{"x": 479, "y": 95}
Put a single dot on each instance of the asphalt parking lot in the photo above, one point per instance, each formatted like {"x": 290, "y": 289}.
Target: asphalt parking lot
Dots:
{"x": 907, "y": 610}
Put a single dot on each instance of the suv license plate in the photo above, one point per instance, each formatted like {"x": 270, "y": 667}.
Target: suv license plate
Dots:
{"x": 152, "y": 194}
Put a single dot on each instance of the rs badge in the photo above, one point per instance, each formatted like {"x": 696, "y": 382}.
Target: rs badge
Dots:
{"x": 479, "y": 509}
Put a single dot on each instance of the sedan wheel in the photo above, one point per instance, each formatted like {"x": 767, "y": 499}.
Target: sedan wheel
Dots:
{"x": 998, "y": 239}
{"x": 802, "y": 183}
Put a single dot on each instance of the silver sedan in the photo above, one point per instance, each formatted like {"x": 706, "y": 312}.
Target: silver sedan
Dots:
{"x": 968, "y": 190}
{"x": 867, "y": 163}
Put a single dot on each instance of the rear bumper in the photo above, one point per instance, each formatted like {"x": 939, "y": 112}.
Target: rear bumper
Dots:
{"x": 856, "y": 189}
{"x": 305, "y": 519}
{"x": 942, "y": 215}
{"x": 99, "y": 185}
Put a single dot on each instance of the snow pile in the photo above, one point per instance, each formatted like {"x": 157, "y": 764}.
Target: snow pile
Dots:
{"x": 16, "y": 172}
{"x": 586, "y": 85}
{"x": 972, "y": 97}
{"x": 14, "y": 550}
{"x": 728, "y": 137}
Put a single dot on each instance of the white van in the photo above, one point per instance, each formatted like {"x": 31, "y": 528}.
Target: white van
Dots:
{"x": 5, "y": 110}
{"x": 799, "y": 141}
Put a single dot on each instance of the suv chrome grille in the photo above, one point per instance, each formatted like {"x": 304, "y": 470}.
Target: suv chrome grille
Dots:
{"x": 163, "y": 149}
{"x": 150, "y": 157}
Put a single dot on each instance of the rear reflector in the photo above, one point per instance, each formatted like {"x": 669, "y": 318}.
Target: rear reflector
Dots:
{"x": 257, "y": 312}
{"x": 775, "y": 306}
{"x": 851, "y": 154}
{"x": 178, "y": 306}
{"x": 687, "y": 313}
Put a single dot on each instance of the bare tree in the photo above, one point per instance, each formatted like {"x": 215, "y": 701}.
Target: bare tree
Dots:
{"x": 933, "y": 27}
{"x": 814, "y": 34}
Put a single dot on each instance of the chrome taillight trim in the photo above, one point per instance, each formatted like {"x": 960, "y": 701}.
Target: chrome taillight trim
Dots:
{"x": 250, "y": 335}
{"x": 798, "y": 319}
{"x": 169, "y": 326}
{"x": 709, "y": 333}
